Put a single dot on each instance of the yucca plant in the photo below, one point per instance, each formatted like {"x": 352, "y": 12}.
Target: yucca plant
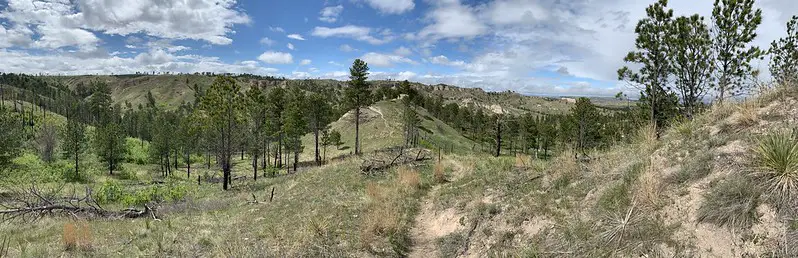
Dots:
{"x": 777, "y": 164}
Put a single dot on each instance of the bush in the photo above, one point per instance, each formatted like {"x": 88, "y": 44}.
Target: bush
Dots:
{"x": 696, "y": 168}
{"x": 731, "y": 203}
{"x": 777, "y": 164}
{"x": 137, "y": 151}
{"x": 109, "y": 192}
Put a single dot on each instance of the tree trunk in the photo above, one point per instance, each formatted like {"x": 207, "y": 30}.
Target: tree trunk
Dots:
{"x": 357, "y": 130}
{"x": 255, "y": 166}
{"x": 188, "y": 165}
{"x": 296, "y": 160}
{"x": 225, "y": 175}
{"x": 498, "y": 137}
{"x": 316, "y": 136}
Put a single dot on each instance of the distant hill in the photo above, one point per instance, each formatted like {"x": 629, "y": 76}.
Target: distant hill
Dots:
{"x": 171, "y": 90}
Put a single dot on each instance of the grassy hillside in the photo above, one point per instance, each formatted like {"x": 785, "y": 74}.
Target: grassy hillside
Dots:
{"x": 381, "y": 127}
{"x": 171, "y": 90}
{"x": 701, "y": 190}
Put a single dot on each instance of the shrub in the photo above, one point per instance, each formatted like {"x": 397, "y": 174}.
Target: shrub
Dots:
{"x": 777, "y": 164}
{"x": 439, "y": 173}
{"x": 731, "y": 203}
{"x": 696, "y": 168}
{"x": 409, "y": 177}
{"x": 452, "y": 244}
{"x": 109, "y": 192}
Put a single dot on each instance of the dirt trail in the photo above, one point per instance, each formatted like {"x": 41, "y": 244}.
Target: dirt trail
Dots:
{"x": 431, "y": 224}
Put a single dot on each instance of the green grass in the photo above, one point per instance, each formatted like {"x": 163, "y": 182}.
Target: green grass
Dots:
{"x": 777, "y": 164}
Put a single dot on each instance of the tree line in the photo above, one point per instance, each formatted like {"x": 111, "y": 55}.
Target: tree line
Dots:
{"x": 683, "y": 59}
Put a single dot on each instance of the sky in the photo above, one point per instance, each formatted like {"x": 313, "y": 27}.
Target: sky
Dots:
{"x": 534, "y": 47}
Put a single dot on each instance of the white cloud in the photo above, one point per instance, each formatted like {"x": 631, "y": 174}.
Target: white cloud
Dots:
{"x": 351, "y": 31}
{"x": 158, "y": 60}
{"x": 295, "y": 36}
{"x": 271, "y": 57}
{"x": 69, "y": 23}
{"x": 300, "y": 75}
{"x": 266, "y": 41}
{"x": 276, "y": 29}
{"x": 451, "y": 19}
{"x": 347, "y": 48}
{"x": 331, "y": 13}
{"x": 305, "y": 62}
{"x": 290, "y": 46}
{"x": 385, "y": 60}
{"x": 334, "y": 63}
{"x": 403, "y": 51}
{"x": 391, "y": 6}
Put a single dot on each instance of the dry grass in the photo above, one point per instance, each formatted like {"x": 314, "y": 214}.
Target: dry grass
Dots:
{"x": 749, "y": 113}
{"x": 439, "y": 173}
{"x": 77, "y": 236}
{"x": 409, "y": 177}
{"x": 647, "y": 139}
{"x": 522, "y": 161}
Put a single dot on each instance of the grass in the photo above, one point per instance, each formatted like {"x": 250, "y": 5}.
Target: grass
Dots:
{"x": 731, "y": 203}
{"x": 693, "y": 169}
{"x": 777, "y": 164}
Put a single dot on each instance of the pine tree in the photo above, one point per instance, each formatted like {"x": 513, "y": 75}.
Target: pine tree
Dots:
{"x": 358, "y": 94}
{"x": 410, "y": 122}
{"x": 100, "y": 102}
{"x": 294, "y": 123}
{"x": 74, "y": 136}
{"x": 735, "y": 23}
{"x": 110, "y": 144}
{"x": 222, "y": 108}
{"x": 652, "y": 56}
{"x": 12, "y": 136}
{"x": 691, "y": 57}
{"x": 784, "y": 56}
{"x": 585, "y": 120}
{"x": 256, "y": 108}
{"x": 276, "y": 107}
{"x": 319, "y": 114}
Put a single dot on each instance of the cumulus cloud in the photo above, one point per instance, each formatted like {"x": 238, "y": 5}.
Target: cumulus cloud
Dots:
{"x": 271, "y": 57}
{"x": 295, "y": 36}
{"x": 451, "y": 19}
{"x": 390, "y": 6}
{"x": 157, "y": 60}
{"x": 353, "y": 32}
{"x": 347, "y": 48}
{"x": 305, "y": 62}
{"x": 385, "y": 60}
{"x": 69, "y": 23}
{"x": 403, "y": 51}
{"x": 290, "y": 46}
{"x": 331, "y": 13}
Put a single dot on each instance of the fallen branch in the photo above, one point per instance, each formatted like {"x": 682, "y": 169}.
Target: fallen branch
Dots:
{"x": 33, "y": 203}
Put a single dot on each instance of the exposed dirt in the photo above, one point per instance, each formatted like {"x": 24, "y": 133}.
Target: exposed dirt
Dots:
{"x": 430, "y": 223}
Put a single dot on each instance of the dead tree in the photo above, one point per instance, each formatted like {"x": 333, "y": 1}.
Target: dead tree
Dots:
{"x": 33, "y": 203}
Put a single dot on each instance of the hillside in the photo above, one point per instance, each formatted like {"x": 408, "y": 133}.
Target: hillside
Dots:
{"x": 172, "y": 90}
{"x": 692, "y": 193}
{"x": 381, "y": 128}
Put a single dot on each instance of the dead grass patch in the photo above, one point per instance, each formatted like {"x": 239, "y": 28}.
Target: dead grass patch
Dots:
{"x": 77, "y": 236}
{"x": 439, "y": 173}
{"x": 409, "y": 177}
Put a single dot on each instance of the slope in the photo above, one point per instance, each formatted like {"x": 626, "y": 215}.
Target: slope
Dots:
{"x": 381, "y": 128}
{"x": 691, "y": 193}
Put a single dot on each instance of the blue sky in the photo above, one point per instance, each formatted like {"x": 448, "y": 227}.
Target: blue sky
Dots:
{"x": 529, "y": 46}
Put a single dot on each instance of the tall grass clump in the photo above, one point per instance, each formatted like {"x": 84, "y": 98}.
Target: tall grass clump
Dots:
{"x": 731, "y": 203}
{"x": 439, "y": 173}
{"x": 776, "y": 164}
{"x": 76, "y": 235}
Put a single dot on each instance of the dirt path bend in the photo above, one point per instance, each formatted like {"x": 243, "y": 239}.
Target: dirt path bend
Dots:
{"x": 431, "y": 224}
